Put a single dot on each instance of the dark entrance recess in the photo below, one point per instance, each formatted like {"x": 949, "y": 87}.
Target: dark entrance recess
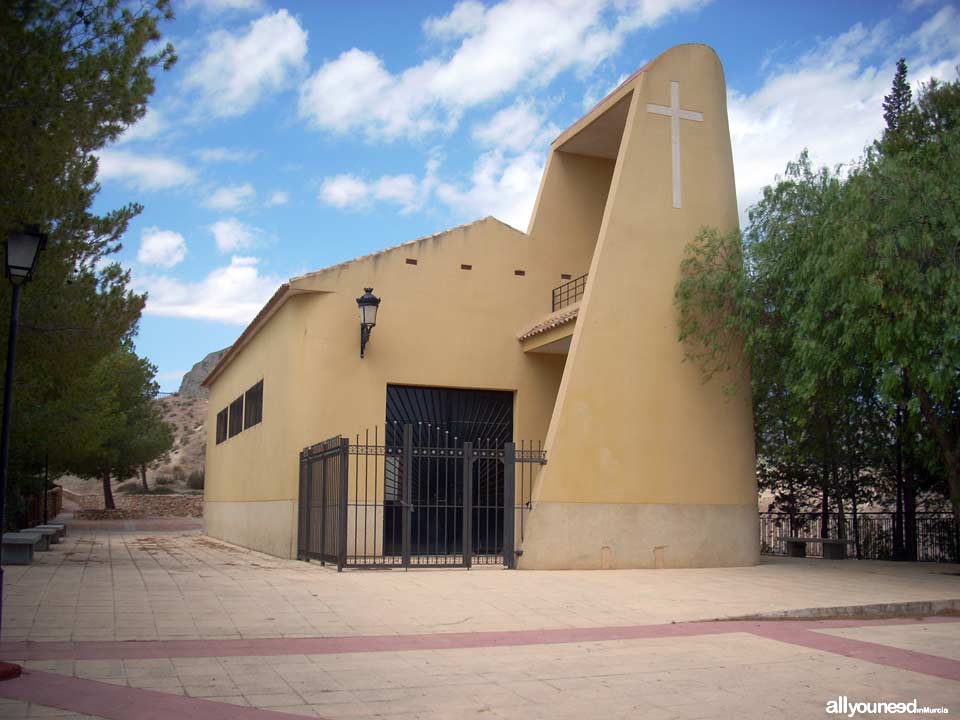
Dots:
{"x": 442, "y": 484}
{"x": 442, "y": 420}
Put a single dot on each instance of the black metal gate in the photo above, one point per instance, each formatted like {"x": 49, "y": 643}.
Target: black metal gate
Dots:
{"x": 416, "y": 496}
{"x": 322, "y": 508}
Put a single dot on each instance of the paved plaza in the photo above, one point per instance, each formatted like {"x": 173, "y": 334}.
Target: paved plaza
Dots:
{"x": 168, "y": 623}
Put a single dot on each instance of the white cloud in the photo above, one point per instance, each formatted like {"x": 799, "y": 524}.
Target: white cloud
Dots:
{"x": 232, "y": 235}
{"x": 350, "y": 191}
{"x": 225, "y": 155}
{"x": 237, "y": 70}
{"x": 219, "y": 6}
{"x": 279, "y": 197}
{"x": 830, "y": 101}
{"x": 501, "y": 48}
{"x": 146, "y": 128}
{"x": 230, "y": 197}
{"x": 515, "y": 128}
{"x": 164, "y": 248}
{"x": 500, "y": 185}
{"x": 344, "y": 190}
{"x": 600, "y": 89}
{"x": 503, "y": 182}
{"x": 230, "y": 294}
{"x": 144, "y": 172}
{"x": 466, "y": 18}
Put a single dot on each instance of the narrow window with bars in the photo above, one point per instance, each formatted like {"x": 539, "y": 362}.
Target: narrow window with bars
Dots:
{"x": 221, "y": 426}
{"x": 236, "y": 417}
{"x": 253, "y": 406}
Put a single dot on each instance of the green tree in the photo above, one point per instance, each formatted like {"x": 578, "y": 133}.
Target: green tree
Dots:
{"x": 895, "y": 270}
{"x": 896, "y": 105}
{"x": 132, "y": 432}
{"x": 153, "y": 437}
{"x": 74, "y": 74}
{"x": 844, "y": 293}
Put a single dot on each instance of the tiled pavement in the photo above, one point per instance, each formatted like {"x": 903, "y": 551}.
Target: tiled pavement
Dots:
{"x": 281, "y": 637}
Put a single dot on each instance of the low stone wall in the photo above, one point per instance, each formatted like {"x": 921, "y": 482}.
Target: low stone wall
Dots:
{"x": 131, "y": 507}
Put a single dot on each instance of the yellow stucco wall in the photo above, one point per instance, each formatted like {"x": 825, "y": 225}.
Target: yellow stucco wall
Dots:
{"x": 438, "y": 325}
{"x": 634, "y": 424}
{"x": 641, "y": 454}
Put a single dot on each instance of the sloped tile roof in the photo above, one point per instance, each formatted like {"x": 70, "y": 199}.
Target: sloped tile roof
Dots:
{"x": 555, "y": 320}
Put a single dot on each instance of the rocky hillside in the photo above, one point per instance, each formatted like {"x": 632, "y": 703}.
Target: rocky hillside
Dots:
{"x": 190, "y": 385}
{"x": 187, "y": 416}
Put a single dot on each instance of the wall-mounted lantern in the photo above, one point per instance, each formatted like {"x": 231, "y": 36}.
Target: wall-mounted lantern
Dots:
{"x": 368, "y": 304}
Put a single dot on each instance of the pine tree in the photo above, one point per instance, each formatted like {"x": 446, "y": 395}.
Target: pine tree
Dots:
{"x": 74, "y": 74}
{"x": 896, "y": 105}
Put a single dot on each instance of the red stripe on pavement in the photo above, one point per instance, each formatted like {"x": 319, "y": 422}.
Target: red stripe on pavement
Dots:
{"x": 144, "y": 649}
{"x": 119, "y": 702}
{"x": 867, "y": 651}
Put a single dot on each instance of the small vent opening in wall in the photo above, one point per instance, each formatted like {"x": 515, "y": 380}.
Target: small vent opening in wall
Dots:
{"x": 411, "y": 261}
{"x": 466, "y": 267}
{"x": 520, "y": 273}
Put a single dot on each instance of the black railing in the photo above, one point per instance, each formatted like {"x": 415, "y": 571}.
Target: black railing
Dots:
{"x": 416, "y": 495}
{"x": 569, "y": 293}
{"x": 936, "y": 536}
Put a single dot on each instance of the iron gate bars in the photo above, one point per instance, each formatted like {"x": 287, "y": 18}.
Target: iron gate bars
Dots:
{"x": 417, "y": 496}
{"x": 322, "y": 516}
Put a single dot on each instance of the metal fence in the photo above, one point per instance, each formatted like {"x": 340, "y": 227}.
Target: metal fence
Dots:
{"x": 415, "y": 496}
{"x": 321, "y": 511}
{"x": 569, "y": 293}
{"x": 870, "y": 537}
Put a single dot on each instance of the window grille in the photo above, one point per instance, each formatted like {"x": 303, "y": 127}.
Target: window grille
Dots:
{"x": 253, "y": 406}
{"x": 236, "y": 417}
{"x": 221, "y": 426}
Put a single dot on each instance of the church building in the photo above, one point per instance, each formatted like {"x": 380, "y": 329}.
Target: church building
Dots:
{"x": 564, "y": 335}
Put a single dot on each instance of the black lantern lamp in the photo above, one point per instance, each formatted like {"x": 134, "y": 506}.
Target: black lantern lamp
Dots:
{"x": 23, "y": 251}
{"x": 368, "y": 304}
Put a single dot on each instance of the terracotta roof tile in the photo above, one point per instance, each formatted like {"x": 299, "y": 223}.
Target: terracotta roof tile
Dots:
{"x": 553, "y": 321}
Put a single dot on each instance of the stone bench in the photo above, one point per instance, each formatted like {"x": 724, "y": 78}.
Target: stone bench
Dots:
{"x": 52, "y": 536}
{"x": 18, "y": 547}
{"x": 61, "y": 529}
{"x": 833, "y": 549}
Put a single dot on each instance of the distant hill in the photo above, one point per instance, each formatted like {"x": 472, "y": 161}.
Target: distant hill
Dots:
{"x": 190, "y": 385}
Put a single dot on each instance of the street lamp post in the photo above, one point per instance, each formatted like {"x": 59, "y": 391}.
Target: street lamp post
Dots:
{"x": 22, "y": 252}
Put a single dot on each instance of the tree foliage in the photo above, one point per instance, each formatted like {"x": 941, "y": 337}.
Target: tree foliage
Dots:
{"x": 843, "y": 297}
{"x": 74, "y": 74}
{"x": 131, "y": 431}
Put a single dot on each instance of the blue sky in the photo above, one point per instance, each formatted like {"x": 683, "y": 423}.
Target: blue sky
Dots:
{"x": 294, "y": 135}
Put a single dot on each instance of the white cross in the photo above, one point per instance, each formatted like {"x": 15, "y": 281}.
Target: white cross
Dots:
{"x": 675, "y": 114}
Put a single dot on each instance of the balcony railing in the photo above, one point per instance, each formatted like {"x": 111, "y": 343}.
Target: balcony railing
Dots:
{"x": 569, "y": 293}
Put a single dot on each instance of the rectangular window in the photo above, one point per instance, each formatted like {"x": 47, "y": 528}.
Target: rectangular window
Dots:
{"x": 236, "y": 416}
{"x": 253, "y": 406}
{"x": 221, "y": 426}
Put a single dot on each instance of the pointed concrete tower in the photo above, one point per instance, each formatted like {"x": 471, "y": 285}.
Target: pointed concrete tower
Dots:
{"x": 648, "y": 466}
